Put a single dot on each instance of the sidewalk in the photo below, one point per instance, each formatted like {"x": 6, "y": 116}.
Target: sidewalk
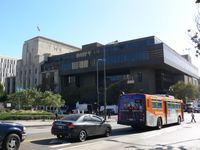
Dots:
{"x": 34, "y": 123}
{"x": 112, "y": 120}
{"x": 38, "y": 123}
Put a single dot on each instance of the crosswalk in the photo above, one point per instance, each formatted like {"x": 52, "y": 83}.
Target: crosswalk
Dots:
{"x": 57, "y": 144}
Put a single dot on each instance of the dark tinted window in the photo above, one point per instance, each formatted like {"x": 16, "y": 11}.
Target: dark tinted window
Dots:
{"x": 71, "y": 117}
{"x": 97, "y": 119}
{"x": 87, "y": 118}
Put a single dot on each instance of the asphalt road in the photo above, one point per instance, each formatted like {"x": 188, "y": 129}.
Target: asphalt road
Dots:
{"x": 181, "y": 137}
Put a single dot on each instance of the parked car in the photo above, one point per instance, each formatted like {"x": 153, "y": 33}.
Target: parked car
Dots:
{"x": 80, "y": 126}
{"x": 11, "y": 135}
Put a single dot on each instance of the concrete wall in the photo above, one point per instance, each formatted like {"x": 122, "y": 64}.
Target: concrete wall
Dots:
{"x": 35, "y": 52}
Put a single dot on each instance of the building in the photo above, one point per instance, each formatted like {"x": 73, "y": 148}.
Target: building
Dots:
{"x": 10, "y": 84}
{"x": 7, "y": 68}
{"x": 35, "y": 52}
{"x": 147, "y": 63}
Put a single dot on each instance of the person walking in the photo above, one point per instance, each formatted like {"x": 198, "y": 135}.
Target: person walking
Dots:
{"x": 56, "y": 116}
{"x": 192, "y": 115}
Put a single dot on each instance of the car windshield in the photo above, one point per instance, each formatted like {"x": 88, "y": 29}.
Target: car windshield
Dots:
{"x": 73, "y": 117}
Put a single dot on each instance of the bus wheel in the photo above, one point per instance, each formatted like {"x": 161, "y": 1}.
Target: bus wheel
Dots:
{"x": 159, "y": 123}
{"x": 179, "y": 120}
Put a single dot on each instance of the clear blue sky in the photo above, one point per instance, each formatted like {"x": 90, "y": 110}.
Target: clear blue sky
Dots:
{"x": 79, "y": 22}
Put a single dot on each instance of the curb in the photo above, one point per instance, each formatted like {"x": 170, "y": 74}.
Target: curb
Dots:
{"x": 30, "y": 126}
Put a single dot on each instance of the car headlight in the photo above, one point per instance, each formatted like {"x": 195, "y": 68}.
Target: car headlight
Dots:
{"x": 24, "y": 129}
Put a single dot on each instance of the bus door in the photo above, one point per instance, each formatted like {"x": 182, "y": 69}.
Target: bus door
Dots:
{"x": 165, "y": 112}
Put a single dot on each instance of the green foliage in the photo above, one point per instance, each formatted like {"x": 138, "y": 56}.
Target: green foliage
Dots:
{"x": 25, "y": 115}
{"x": 33, "y": 97}
{"x": 184, "y": 91}
{"x": 115, "y": 89}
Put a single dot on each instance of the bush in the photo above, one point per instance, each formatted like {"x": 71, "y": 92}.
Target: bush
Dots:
{"x": 25, "y": 115}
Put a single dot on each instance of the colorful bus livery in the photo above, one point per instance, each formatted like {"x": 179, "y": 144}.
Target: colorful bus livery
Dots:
{"x": 149, "y": 110}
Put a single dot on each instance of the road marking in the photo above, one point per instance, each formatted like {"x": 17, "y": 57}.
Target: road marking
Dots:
{"x": 76, "y": 146}
{"x": 60, "y": 145}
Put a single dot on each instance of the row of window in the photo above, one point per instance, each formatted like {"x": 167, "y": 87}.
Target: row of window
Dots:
{"x": 173, "y": 105}
{"x": 157, "y": 104}
{"x": 110, "y": 60}
{"x": 8, "y": 61}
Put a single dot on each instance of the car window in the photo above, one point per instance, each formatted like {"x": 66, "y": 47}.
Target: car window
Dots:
{"x": 71, "y": 117}
{"x": 96, "y": 119}
{"x": 87, "y": 118}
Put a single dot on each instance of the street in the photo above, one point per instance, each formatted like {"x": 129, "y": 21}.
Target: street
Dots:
{"x": 182, "y": 137}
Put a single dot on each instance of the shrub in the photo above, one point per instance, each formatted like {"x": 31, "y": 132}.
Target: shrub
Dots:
{"x": 25, "y": 115}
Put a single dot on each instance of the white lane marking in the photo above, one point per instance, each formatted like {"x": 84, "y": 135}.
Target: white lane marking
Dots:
{"x": 76, "y": 146}
{"x": 60, "y": 145}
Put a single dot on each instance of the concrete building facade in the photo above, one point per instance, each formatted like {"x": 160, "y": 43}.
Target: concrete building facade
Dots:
{"x": 35, "y": 52}
{"x": 10, "y": 84}
{"x": 7, "y": 68}
{"x": 148, "y": 62}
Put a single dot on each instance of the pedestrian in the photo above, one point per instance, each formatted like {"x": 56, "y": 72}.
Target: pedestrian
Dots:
{"x": 109, "y": 114}
{"x": 193, "y": 119}
{"x": 56, "y": 116}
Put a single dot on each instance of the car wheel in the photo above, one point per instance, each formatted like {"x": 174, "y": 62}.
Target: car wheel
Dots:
{"x": 12, "y": 142}
{"x": 82, "y": 136}
{"x": 108, "y": 132}
{"x": 60, "y": 137}
{"x": 159, "y": 123}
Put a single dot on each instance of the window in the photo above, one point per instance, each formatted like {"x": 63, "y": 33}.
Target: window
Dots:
{"x": 173, "y": 105}
{"x": 96, "y": 119}
{"x": 156, "y": 104}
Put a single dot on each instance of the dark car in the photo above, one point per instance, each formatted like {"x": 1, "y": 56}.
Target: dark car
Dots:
{"x": 80, "y": 126}
{"x": 11, "y": 135}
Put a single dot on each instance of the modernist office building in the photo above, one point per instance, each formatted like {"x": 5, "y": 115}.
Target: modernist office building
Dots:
{"x": 148, "y": 62}
{"x": 7, "y": 68}
{"x": 35, "y": 52}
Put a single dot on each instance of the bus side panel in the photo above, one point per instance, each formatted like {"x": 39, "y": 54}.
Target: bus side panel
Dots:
{"x": 152, "y": 115}
{"x": 173, "y": 112}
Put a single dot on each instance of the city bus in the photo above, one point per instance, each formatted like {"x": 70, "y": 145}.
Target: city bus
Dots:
{"x": 138, "y": 110}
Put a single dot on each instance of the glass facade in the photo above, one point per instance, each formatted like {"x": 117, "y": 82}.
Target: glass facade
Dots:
{"x": 122, "y": 58}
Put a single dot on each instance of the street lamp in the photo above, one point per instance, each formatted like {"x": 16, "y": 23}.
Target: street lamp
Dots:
{"x": 98, "y": 83}
{"x": 104, "y": 81}
{"x": 104, "y": 74}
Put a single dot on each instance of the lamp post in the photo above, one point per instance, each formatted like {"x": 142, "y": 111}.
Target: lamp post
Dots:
{"x": 104, "y": 75}
{"x": 98, "y": 83}
{"x": 104, "y": 81}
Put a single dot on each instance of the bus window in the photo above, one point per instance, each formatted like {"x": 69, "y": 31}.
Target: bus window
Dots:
{"x": 156, "y": 104}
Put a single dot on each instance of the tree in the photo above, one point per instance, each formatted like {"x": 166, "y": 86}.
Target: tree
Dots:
{"x": 114, "y": 90}
{"x": 184, "y": 91}
{"x": 51, "y": 99}
{"x": 33, "y": 97}
{"x": 194, "y": 35}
